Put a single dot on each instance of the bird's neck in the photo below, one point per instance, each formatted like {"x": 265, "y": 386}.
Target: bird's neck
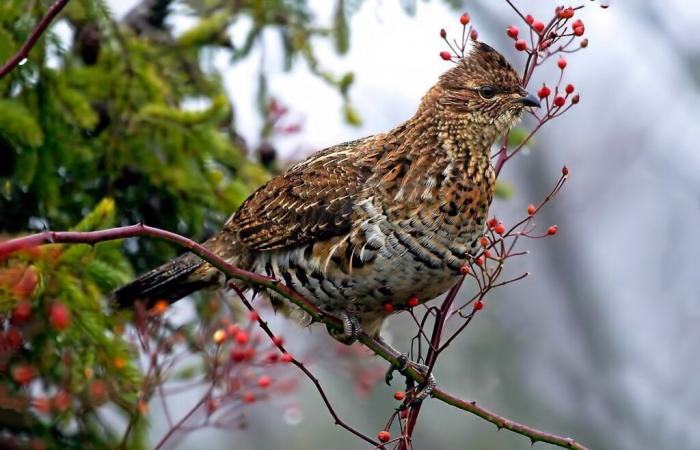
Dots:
{"x": 432, "y": 151}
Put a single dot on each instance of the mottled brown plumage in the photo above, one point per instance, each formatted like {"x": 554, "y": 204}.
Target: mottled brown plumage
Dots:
{"x": 376, "y": 220}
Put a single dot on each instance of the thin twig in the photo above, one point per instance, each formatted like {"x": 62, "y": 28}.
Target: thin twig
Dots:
{"x": 377, "y": 346}
{"x": 263, "y": 325}
{"x": 43, "y": 24}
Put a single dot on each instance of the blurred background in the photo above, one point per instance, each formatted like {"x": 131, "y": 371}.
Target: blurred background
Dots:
{"x": 601, "y": 341}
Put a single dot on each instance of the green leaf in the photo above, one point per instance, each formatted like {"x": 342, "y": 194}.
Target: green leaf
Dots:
{"x": 17, "y": 124}
{"x": 7, "y": 45}
{"x": 341, "y": 31}
{"x": 209, "y": 31}
{"x": 100, "y": 217}
{"x": 345, "y": 83}
{"x": 351, "y": 115}
{"x": 25, "y": 166}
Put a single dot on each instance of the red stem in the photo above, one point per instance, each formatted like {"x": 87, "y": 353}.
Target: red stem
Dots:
{"x": 378, "y": 347}
{"x": 43, "y": 24}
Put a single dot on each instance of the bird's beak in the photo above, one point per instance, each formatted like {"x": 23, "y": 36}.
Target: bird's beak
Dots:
{"x": 529, "y": 100}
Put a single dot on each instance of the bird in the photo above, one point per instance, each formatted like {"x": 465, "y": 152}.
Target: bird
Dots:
{"x": 372, "y": 222}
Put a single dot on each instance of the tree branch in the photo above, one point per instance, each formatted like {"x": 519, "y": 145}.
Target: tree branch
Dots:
{"x": 377, "y": 346}
{"x": 43, "y": 24}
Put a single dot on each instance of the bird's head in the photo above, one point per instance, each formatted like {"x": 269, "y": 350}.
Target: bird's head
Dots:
{"x": 483, "y": 90}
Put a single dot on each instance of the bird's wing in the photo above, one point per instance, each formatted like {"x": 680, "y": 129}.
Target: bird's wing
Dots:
{"x": 311, "y": 201}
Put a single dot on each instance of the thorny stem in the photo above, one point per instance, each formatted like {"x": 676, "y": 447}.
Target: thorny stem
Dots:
{"x": 376, "y": 346}
{"x": 43, "y": 24}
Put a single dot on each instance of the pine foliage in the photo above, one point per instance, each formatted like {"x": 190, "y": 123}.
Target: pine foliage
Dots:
{"x": 113, "y": 122}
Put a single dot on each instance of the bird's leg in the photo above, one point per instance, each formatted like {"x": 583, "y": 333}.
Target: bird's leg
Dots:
{"x": 351, "y": 329}
{"x": 403, "y": 363}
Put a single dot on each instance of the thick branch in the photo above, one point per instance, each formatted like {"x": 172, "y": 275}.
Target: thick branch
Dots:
{"x": 377, "y": 346}
{"x": 43, "y": 24}
{"x": 501, "y": 422}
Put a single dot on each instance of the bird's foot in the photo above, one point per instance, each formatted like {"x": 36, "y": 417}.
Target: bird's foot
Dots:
{"x": 351, "y": 329}
{"x": 424, "y": 390}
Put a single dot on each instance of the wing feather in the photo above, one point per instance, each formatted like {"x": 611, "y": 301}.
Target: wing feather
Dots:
{"x": 311, "y": 201}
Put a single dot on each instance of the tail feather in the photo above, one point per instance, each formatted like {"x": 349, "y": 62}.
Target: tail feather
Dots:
{"x": 171, "y": 281}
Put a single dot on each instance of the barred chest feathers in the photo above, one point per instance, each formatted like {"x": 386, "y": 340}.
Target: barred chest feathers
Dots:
{"x": 409, "y": 238}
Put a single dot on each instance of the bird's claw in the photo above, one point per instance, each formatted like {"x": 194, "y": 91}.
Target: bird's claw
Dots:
{"x": 351, "y": 329}
{"x": 425, "y": 390}
{"x": 401, "y": 367}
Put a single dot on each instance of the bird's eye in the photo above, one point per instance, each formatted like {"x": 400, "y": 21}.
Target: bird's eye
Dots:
{"x": 487, "y": 92}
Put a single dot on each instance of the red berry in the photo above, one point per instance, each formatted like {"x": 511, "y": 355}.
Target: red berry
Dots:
{"x": 232, "y": 330}
{"x": 399, "y": 395}
{"x": 249, "y": 397}
{"x": 22, "y": 311}
{"x": 565, "y": 171}
{"x": 272, "y": 357}
{"x": 474, "y": 35}
{"x": 98, "y": 391}
{"x": 237, "y": 355}
{"x": 464, "y": 270}
{"x": 480, "y": 261}
{"x": 13, "y": 337}
{"x": 478, "y": 305}
{"x": 42, "y": 404}
{"x": 529, "y": 19}
{"x": 578, "y": 31}
{"x": 446, "y": 56}
{"x": 575, "y": 99}
{"x": 277, "y": 340}
{"x": 569, "y": 88}
{"x": 566, "y": 13}
{"x": 487, "y": 253}
{"x": 538, "y": 26}
{"x": 61, "y": 401}
{"x": 443, "y": 33}
{"x": 531, "y": 209}
{"x": 492, "y": 222}
{"x": 500, "y": 229}
{"x": 27, "y": 284}
{"x": 464, "y": 19}
{"x": 242, "y": 337}
{"x": 484, "y": 241}
{"x": 388, "y": 308}
{"x": 59, "y": 316}
{"x": 520, "y": 45}
{"x": 253, "y": 316}
{"x": 561, "y": 63}
{"x": 577, "y": 23}
{"x": 264, "y": 381}
{"x": 212, "y": 405}
{"x": 384, "y": 436}
{"x": 559, "y": 101}
{"x": 512, "y": 31}
{"x": 413, "y": 302}
{"x": 286, "y": 358}
{"x": 23, "y": 374}
{"x": 249, "y": 353}
{"x": 543, "y": 92}
{"x": 552, "y": 230}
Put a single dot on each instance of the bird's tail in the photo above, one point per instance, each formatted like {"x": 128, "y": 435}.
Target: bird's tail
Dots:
{"x": 170, "y": 282}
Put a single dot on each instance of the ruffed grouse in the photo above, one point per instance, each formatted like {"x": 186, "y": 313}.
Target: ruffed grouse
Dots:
{"x": 374, "y": 221}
